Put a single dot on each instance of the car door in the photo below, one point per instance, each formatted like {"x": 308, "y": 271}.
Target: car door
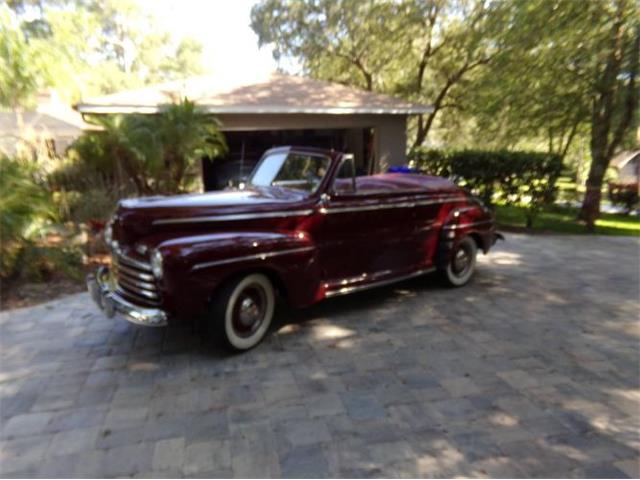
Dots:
{"x": 338, "y": 233}
{"x": 365, "y": 235}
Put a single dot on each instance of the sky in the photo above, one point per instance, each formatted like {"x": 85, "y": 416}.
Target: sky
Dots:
{"x": 222, "y": 26}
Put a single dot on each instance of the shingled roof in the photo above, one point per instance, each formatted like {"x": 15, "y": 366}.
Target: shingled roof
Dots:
{"x": 275, "y": 94}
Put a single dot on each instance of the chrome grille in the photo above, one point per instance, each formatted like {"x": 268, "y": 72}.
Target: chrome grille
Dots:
{"x": 135, "y": 280}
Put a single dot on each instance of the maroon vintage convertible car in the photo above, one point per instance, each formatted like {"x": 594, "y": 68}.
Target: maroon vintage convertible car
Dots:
{"x": 304, "y": 227}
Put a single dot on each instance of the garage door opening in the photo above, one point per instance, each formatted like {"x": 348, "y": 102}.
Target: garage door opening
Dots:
{"x": 246, "y": 148}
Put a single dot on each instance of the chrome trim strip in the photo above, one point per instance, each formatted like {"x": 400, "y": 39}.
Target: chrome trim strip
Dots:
{"x": 257, "y": 256}
{"x": 111, "y": 303}
{"x": 385, "y": 191}
{"x": 410, "y": 204}
{"x": 231, "y": 217}
{"x": 151, "y": 287}
{"x": 132, "y": 261}
{"x": 381, "y": 283}
{"x": 134, "y": 291}
{"x": 465, "y": 225}
{"x": 133, "y": 273}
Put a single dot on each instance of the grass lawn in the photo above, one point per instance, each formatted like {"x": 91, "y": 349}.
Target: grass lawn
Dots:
{"x": 558, "y": 219}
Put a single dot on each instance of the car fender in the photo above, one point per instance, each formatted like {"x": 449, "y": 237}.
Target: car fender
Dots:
{"x": 472, "y": 220}
{"x": 197, "y": 265}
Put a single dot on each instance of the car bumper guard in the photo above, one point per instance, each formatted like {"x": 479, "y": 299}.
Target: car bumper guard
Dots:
{"x": 111, "y": 303}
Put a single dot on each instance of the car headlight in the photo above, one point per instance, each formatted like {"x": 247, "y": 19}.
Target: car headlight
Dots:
{"x": 156, "y": 264}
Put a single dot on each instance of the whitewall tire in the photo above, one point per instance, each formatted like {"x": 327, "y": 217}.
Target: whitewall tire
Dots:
{"x": 243, "y": 311}
{"x": 462, "y": 264}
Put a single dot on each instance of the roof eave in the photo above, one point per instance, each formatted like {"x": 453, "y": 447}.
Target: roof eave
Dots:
{"x": 87, "y": 108}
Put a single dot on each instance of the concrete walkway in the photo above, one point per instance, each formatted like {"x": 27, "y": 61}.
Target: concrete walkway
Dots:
{"x": 532, "y": 370}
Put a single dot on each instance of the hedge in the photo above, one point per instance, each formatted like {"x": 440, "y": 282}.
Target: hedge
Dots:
{"x": 513, "y": 178}
{"x": 626, "y": 195}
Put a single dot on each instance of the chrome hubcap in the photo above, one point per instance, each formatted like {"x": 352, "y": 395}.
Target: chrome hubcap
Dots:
{"x": 461, "y": 261}
{"x": 249, "y": 312}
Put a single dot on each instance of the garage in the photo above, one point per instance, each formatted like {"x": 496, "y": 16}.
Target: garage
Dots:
{"x": 280, "y": 110}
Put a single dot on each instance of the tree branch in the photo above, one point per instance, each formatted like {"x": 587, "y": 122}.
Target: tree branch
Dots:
{"x": 631, "y": 100}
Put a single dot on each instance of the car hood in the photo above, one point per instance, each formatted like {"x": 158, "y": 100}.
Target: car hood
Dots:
{"x": 227, "y": 198}
{"x": 139, "y": 217}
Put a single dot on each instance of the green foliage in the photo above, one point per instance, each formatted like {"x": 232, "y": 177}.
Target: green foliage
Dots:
{"x": 557, "y": 219}
{"x": 151, "y": 154}
{"x": 24, "y": 204}
{"x": 36, "y": 262}
{"x": 26, "y": 212}
{"x": 626, "y": 195}
{"x": 84, "y": 48}
{"x": 183, "y": 135}
{"x": 425, "y": 51}
{"x": 514, "y": 178}
{"x": 19, "y": 73}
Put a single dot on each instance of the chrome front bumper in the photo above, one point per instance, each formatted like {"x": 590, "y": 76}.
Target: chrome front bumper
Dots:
{"x": 111, "y": 303}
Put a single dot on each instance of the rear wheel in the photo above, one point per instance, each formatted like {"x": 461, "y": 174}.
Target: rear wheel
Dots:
{"x": 462, "y": 264}
{"x": 242, "y": 312}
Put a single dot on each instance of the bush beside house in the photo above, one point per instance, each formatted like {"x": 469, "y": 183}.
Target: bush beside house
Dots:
{"x": 626, "y": 195}
{"x": 71, "y": 197}
{"x": 512, "y": 178}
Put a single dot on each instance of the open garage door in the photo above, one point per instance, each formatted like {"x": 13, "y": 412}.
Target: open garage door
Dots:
{"x": 246, "y": 148}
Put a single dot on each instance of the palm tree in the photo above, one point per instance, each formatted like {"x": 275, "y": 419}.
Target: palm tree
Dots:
{"x": 187, "y": 135}
{"x": 156, "y": 152}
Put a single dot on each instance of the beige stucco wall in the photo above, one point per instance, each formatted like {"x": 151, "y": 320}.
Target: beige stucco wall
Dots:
{"x": 390, "y": 131}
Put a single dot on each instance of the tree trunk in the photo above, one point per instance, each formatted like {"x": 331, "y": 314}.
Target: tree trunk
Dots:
{"x": 591, "y": 205}
{"x": 605, "y": 136}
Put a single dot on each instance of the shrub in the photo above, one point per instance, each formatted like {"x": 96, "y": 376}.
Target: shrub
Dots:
{"x": 82, "y": 193}
{"x": 25, "y": 214}
{"x": 23, "y": 206}
{"x": 516, "y": 178}
{"x": 157, "y": 153}
{"x": 625, "y": 195}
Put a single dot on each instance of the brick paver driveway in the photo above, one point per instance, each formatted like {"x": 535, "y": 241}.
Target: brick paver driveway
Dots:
{"x": 532, "y": 370}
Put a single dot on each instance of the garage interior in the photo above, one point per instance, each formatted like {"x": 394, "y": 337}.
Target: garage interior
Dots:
{"x": 246, "y": 149}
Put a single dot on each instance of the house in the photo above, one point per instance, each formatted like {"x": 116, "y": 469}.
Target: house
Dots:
{"x": 627, "y": 166}
{"x": 46, "y": 131}
{"x": 276, "y": 110}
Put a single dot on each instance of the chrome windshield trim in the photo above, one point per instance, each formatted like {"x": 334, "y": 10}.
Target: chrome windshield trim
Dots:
{"x": 257, "y": 256}
{"x": 381, "y": 283}
{"x": 409, "y": 204}
{"x": 231, "y": 217}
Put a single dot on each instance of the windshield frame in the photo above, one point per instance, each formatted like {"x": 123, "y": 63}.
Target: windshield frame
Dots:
{"x": 287, "y": 152}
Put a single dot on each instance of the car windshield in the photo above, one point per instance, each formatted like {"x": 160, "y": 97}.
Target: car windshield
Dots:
{"x": 299, "y": 171}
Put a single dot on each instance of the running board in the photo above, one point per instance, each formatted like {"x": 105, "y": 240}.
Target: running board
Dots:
{"x": 381, "y": 283}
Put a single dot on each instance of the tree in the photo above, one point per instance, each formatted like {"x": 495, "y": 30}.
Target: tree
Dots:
{"x": 20, "y": 63}
{"x": 614, "y": 97}
{"x": 157, "y": 153}
{"x": 185, "y": 135}
{"x": 91, "y": 47}
{"x": 565, "y": 69}
{"x": 421, "y": 50}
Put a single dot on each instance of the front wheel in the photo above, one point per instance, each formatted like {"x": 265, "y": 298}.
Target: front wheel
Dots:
{"x": 242, "y": 312}
{"x": 462, "y": 264}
